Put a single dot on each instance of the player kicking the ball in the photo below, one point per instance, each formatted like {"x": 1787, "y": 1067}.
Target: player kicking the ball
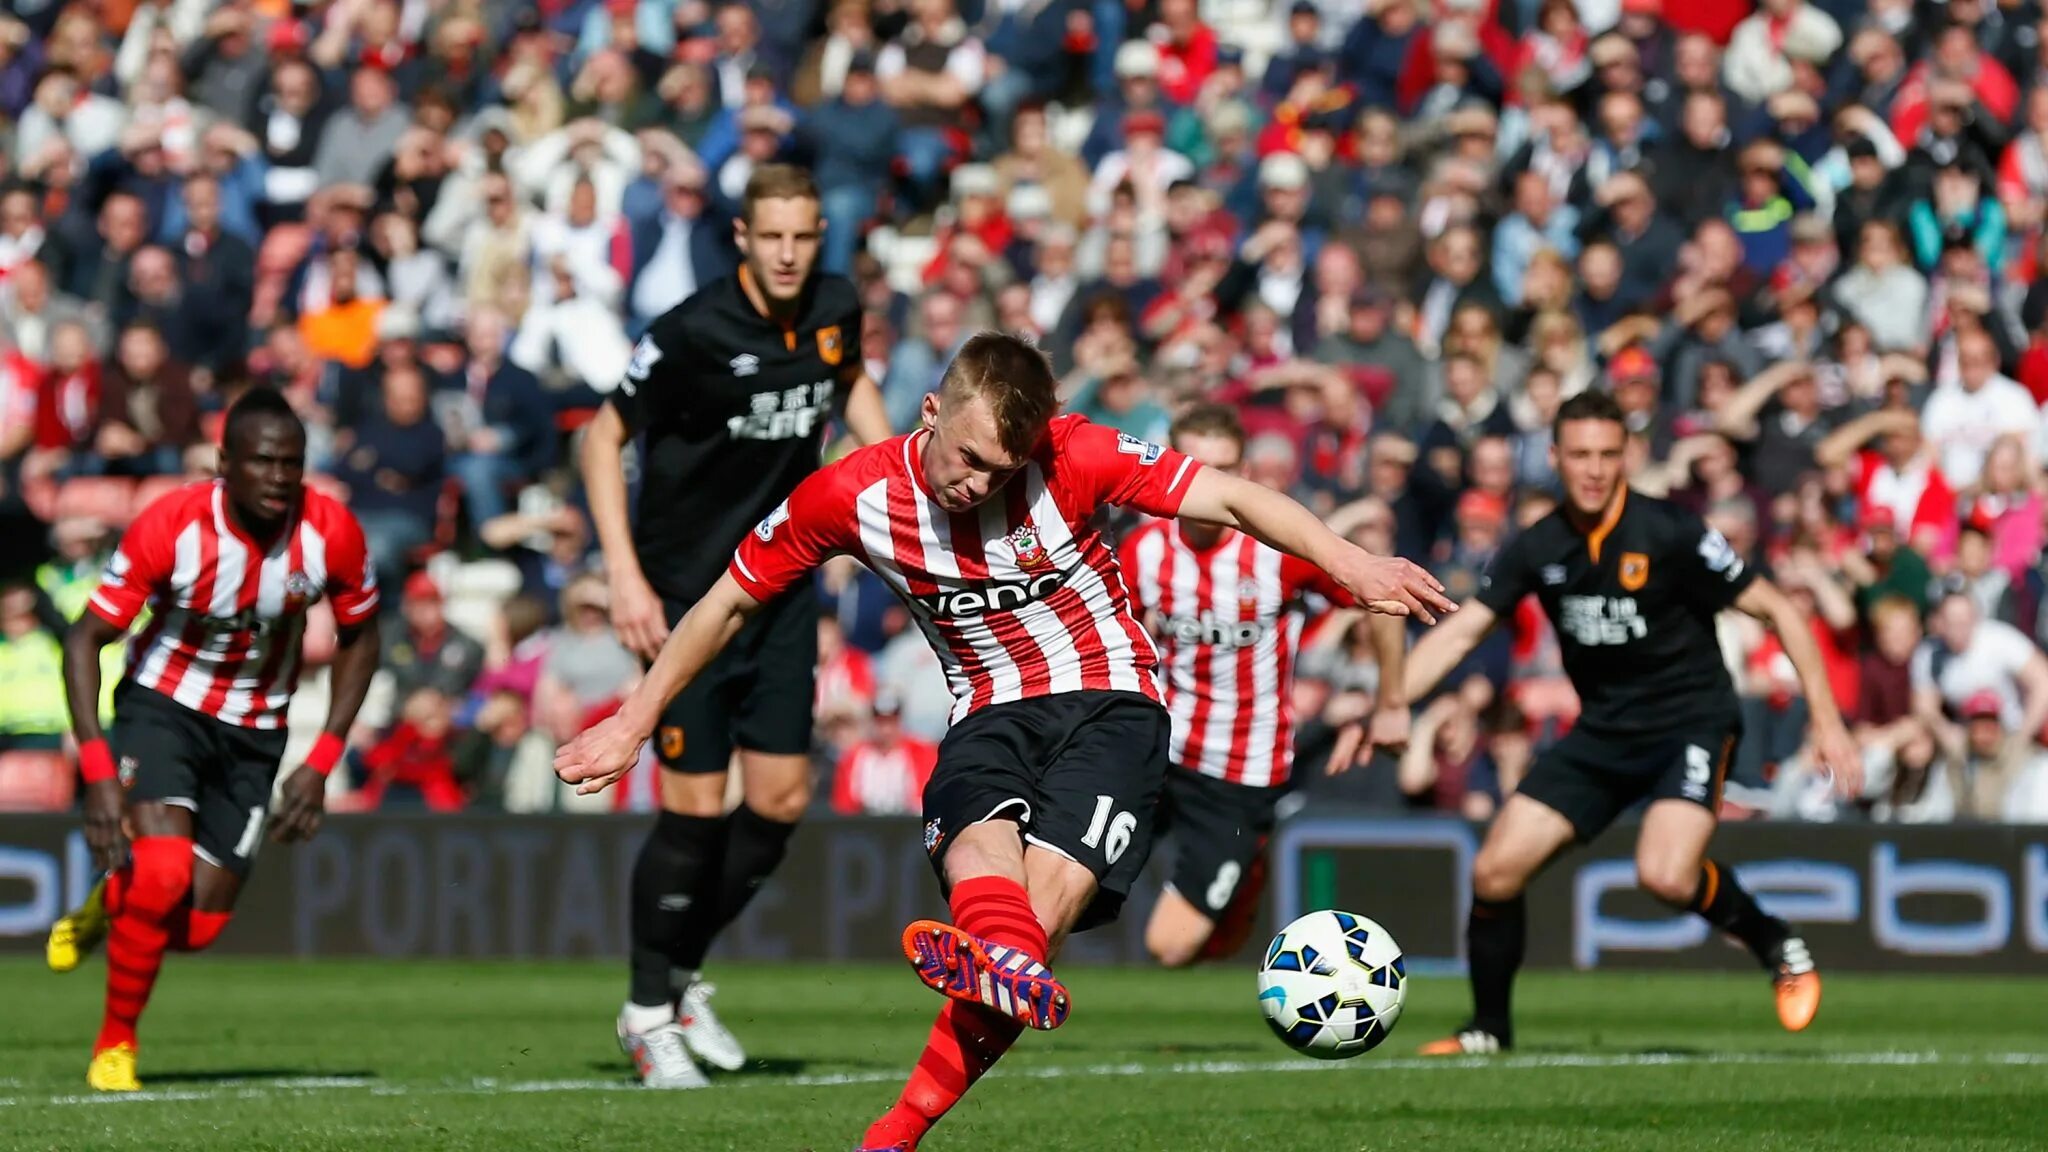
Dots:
{"x": 1039, "y": 813}
{"x": 1632, "y": 586}
{"x": 228, "y": 569}
{"x": 1228, "y": 614}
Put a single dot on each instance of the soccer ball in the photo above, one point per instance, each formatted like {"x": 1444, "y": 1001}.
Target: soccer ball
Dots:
{"x": 1332, "y": 985}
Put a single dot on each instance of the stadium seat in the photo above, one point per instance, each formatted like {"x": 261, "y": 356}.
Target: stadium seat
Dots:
{"x": 36, "y": 782}
{"x": 154, "y": 489}
{"x": 108, "y": 499}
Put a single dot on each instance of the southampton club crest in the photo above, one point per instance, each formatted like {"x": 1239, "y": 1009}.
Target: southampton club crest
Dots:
{"x": 1031, "y": 555}
{"x": 298, "y": 593}
{"x": 1248, "y": 596}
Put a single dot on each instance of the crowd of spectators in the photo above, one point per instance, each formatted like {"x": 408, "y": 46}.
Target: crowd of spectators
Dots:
{"x": 1803, "y": 244}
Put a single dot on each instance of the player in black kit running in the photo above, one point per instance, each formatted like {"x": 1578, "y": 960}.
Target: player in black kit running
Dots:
{"x": 734, "y": 389}
{"x": 1632, "y": 585}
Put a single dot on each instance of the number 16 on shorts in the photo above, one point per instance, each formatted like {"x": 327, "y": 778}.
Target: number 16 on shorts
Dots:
{"x": 1110, "y": 830}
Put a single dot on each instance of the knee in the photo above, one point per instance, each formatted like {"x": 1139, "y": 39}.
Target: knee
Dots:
{"x": 160, "y": 882}
{"x": 1673, "y": 882}
{"x": 782, "y": 805}
{"x": 1170, "y": 949}
{"x": 1496, "y": 880}
{"x": 780, "y": 795}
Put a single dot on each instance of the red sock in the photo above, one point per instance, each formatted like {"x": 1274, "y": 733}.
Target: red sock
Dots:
{"x": 968, "y": 1039}
{"x": 159, "y": 879}
{"x": 194, "y": 931}
{"x": 117, "y": 884}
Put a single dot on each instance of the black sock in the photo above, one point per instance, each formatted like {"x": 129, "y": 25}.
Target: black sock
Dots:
{"x": 1495, "y": 936}
{"x": 754, "y": 845}
{"x": 1722, "y": 902}
{"x": 679, "y": 858}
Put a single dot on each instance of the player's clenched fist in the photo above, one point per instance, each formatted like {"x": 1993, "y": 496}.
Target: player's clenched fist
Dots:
{"x": 600, "y": 757}
{"x": 1392, "y": 585}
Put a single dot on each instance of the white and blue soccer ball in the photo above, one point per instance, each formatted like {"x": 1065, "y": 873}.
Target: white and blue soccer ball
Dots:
{"x": 1332, "y": 985}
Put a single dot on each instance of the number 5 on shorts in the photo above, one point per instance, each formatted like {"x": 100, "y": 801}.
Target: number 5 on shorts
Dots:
{"x": 1118, "y": 829}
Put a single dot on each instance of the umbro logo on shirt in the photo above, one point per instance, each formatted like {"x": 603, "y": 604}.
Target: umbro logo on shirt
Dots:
{"x": 746, "y": 364}
{"x": 1553, "y": 574}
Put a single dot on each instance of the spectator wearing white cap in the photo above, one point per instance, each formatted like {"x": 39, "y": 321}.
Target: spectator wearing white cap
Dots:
{"x": 1137, "y": 90}
{"x": 1760, "y": 53}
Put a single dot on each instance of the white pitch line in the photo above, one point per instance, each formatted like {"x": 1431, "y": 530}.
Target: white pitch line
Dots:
{"x": 488, "y": 1086}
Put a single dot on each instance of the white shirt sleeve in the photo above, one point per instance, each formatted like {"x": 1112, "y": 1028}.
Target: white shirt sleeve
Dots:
{"x": 968, "y": 63}
{"x": 2008, "y": 647}
{"x": 889, "y": 64}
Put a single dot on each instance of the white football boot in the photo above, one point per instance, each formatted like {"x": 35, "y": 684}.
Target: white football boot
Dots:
{"x": 658, "y": 1055}
{"x": 707, "y": 1038}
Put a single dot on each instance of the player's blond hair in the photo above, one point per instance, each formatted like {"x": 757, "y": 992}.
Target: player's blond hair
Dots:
{"x": 776, "y": 182}
{"x": 1014, "y": 377}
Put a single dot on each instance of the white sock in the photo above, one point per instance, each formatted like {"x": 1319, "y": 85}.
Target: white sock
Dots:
{"x": 640, "y": 1018}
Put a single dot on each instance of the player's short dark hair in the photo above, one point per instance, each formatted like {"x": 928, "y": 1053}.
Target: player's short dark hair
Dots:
{"x": 776, "y": 182}
{"x": 256, "y": 405}
{"x": 1591, "y": 404}
{"x": 1209, "y": 420}
{"x": 1016, "y": 379}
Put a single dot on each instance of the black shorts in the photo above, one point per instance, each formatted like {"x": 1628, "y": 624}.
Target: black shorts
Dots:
{"x": 1080, "y": 773}
{"x": 1219, "y": 831}
{"x": 221, "y": 773}
{"x": 1590, "y": 778}
{"x": 757, "y": 694}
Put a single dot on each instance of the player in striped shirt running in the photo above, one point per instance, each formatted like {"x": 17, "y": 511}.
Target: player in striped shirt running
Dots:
{"x": 1039, "y": 813}
{"x": 228, "y": 569}
{"x": 1228, "y": 612}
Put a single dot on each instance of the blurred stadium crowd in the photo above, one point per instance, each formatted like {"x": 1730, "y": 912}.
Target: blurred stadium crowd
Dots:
{"x": 1803, "y": 245}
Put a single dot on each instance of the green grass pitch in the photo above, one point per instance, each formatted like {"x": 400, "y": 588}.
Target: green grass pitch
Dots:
{"x": 311, "y": 1057}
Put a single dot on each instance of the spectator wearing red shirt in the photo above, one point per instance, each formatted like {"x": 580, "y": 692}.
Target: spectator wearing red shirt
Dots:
{"x": 68, "y": 395}
{"x": 885, "y": 774}
{"x": 415, "y": 760}
{"x": 1187, "y": 51}
{"x": 1956, "y": 60}
{"x": 846, "y": 677}
{"x": 1900, "y": 476}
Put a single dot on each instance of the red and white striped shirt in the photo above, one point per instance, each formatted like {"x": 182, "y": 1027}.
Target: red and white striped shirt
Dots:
{"x": 1229, "y": 619}
{"x": 876, "y": 781}
{"x": 228, "y": 616}
{"x": 1021, "y": 596}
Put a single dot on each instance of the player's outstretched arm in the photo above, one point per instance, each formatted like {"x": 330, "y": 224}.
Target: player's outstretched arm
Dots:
{"x": 637, "y": 614}
{"x": 103, "y": 796}
{"x": 1386, "y": 584}
{"x": 605, "y": 753}
{"x": 1832, "y": 745}
{"x": 304, "y": 796}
